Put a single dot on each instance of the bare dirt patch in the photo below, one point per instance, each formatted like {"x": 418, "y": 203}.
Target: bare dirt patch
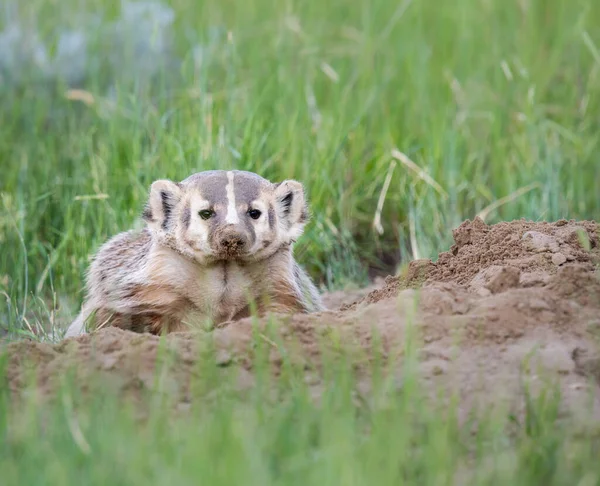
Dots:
{"x": 508, "y": 302}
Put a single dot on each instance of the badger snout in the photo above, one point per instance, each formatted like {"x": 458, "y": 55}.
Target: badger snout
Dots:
{"x": 232, "y": 243}
{"x": 229, "y": 243}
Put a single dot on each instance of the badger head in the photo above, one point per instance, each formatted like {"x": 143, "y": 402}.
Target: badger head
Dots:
{"x": 226, "y": 215}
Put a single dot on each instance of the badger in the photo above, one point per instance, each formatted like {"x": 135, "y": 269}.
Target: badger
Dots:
{"x": 214, "y": 248}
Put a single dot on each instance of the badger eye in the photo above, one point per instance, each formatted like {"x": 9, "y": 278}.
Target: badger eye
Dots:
{"x": 206, "y": 213}
{"x": 254, "y": 213}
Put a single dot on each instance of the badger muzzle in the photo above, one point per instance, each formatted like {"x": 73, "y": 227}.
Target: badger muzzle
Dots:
{"x": 229, "y": 242}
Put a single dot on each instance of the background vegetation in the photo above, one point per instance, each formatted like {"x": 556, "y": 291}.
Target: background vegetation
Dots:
{"x": 485, "y": 97}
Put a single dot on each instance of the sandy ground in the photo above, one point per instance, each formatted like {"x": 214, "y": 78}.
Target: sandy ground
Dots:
{"x": 508, "y": 303}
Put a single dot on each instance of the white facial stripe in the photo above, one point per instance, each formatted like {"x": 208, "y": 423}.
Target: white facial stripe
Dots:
{"x": 232, "y": 215}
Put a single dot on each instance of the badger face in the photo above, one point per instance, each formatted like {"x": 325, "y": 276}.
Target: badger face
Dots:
{"x": 226, "y": 215}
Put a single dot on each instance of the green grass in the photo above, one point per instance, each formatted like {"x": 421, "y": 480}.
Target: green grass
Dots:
{"x": 280, "y": 432}
{"x": 486, "y": 97}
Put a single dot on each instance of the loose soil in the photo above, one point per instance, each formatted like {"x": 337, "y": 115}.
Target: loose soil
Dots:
{"x": 508, "y": 303}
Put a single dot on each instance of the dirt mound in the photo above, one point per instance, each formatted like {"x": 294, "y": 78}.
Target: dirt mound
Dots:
{"x": 504, "y": 295}
{"x": 490, "y": 259}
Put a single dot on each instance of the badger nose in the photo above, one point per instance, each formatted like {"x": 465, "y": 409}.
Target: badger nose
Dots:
{"x": 232, "y": 242}
{"x": 229, "y": 242}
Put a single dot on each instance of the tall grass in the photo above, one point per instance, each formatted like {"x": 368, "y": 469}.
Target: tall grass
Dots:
{"x": 286, "y": 430}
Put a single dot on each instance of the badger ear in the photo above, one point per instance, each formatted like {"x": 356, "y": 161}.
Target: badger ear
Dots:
{"x": 164, "y": 196}
{"x": 291, "y": 207}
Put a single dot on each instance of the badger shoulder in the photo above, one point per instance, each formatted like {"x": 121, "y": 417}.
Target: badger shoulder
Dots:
{"x": 120, "y": 255}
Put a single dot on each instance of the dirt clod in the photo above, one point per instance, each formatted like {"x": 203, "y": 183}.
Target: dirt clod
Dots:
{"x": 503, "y": 279}
{"x": 558, "y": 259}
{"x": 536, "y": 241}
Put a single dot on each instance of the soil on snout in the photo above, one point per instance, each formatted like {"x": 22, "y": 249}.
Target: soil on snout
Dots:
{"x": 506, "y": 302}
